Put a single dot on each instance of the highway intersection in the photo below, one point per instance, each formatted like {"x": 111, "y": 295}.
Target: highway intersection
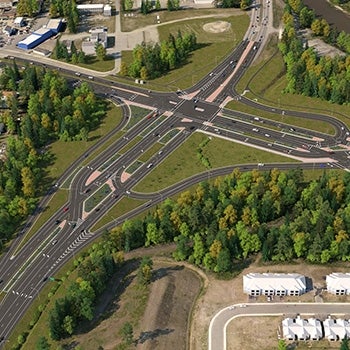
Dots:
{"x": 197, "y": 109}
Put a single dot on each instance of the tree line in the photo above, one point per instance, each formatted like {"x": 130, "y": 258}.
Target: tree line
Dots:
{"x": 68, "y": 10}
{"x": 243, "y": 4}
{"x": 73, "y": 55}
{"x": 308, "y": 73}
{"x": 275, "y": 213}
{"x": 152, "y": 60}
{"x": 42, "y": 108}
{"x": 94, "y": 272}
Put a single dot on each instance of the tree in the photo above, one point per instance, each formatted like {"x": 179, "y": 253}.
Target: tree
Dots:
{"x": 127, "y": 333}
{"x": 100, "y": 51}
{"x": 282, "y": 344}
{"x": 344, "y": 344}
{"x": 42, "y": 344}
{"x": 128, "y": 5}
{"x": 158, "y": 5}
{"x": 144, "y": 274}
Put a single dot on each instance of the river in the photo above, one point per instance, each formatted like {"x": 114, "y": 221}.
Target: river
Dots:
{"x": 332, "y": 15}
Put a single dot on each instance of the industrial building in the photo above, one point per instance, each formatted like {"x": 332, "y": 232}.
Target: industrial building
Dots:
{"x": 301, "y": 329}
{"x": 35, "y": 39}
{"x": 41, "y": 35}
{"x": 55, "y": 25}
{"x": 106, "y": 10}
{"x": 338, "y": 283}
{"x": 19, "y": 22}
{"x": 270, "y": 284}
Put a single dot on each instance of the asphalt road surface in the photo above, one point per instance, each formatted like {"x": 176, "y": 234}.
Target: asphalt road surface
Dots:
{"x": 199, "y": 109}
{"x": 218, "y": 324}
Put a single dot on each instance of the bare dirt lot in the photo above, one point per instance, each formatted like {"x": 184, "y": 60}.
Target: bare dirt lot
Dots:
{"x": 182, "y": 295}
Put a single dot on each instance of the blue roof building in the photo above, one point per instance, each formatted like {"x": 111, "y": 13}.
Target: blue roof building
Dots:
{"x": 35, "y": 39}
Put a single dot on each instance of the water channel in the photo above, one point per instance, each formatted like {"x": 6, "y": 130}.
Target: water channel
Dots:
{"x": 332, "y": 15}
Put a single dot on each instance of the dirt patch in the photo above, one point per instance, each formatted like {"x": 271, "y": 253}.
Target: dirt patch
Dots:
{"x": 217, "y": 27}
{"x": 242, "y": 330}
{"x": 164, "y": 324}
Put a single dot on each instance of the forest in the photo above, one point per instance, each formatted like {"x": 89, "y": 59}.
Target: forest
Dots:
{"x": 307, "y": 72}
{"x": 226, "y": 221}
{"x": 152, "y": 60}
{"x": 40, "y": 108}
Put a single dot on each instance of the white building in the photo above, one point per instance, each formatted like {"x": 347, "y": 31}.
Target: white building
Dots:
{"x": 338, "y": 283}
{"x": 91, "y": 8}
{"x": 107, "y": 10}
{"x": 336, "y": 329}
{"x": 269, "y": 284}
{"x": 19, "y": 22}
{"x": 300, "y": 329}
{"x": 98, "y": 36}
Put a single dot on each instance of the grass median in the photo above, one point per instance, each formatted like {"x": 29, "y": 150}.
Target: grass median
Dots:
{"x": 184, "y": 161}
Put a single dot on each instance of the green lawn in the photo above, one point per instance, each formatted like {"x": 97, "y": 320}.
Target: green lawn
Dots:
{"x": 97, "y": 197}
{"x": 130, "y": 145}
{"x": 95, "y": 64}
{"x": 121, "y": 207}
{"x": 184, "y": 161}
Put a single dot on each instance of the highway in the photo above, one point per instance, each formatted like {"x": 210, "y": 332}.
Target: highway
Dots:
{"x": 217, "y": 329}
{"x": 198, "y": 109}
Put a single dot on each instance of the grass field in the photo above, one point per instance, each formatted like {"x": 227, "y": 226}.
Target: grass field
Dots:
{"x": 184, "y": 161}
{"x": 121, "y": 207}
{"x": 212, "y": 46}
{"x": 101, "y": 66}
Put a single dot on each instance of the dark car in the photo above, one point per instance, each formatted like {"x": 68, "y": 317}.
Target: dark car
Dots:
{"x": 66, "y": 209}
{"x": 57, "y": 222}
{"x": 45, "y": 279}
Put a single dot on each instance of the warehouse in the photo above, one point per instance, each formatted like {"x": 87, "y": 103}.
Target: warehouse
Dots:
{"x": 270, "y": 284}
{"x": 35, "y": 39}
{"x": 55, "y": 25}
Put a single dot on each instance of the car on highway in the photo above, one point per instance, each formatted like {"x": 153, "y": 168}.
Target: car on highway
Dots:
{"x": 267, "y": 135}
{"x": 255, "y": 129}
{"x": 261, "y": 164}
{"x": 57, "y": 222}
{"x": 54, "y": 242}
{"x": 66, "y": 209}
{"x": 149, "y": 165}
